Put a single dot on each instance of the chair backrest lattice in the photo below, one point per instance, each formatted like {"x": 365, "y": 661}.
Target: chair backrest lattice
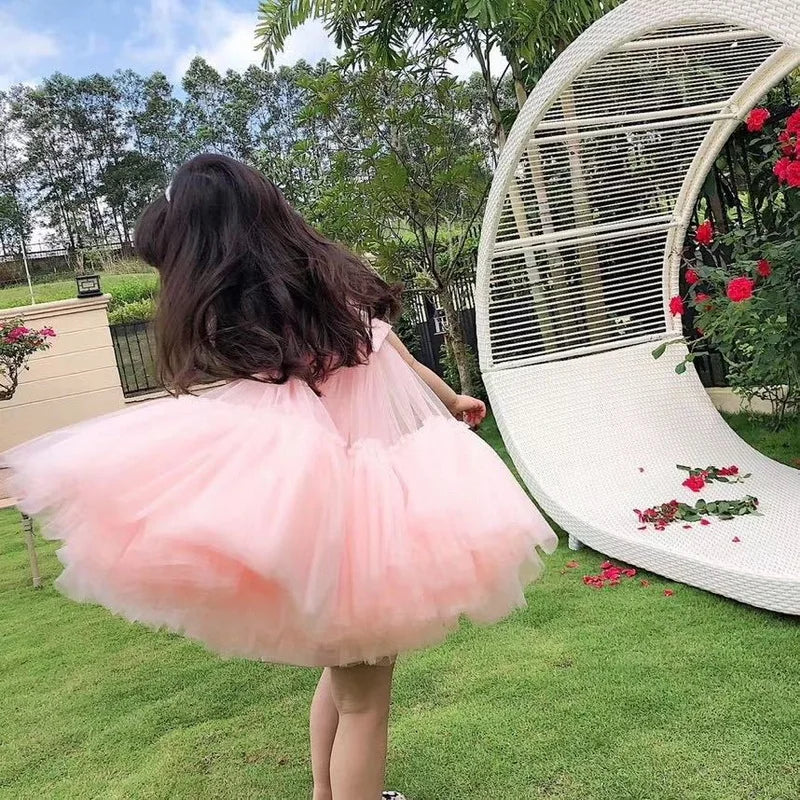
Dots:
{"x": 589, "y": 209}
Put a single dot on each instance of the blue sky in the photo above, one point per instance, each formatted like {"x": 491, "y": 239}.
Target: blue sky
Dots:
{"x": 80, "y": 37}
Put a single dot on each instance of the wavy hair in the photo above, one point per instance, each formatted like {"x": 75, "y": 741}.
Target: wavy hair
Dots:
{"x": 248, "y": 288}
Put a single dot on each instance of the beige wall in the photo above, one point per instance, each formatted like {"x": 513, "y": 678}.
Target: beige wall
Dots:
{"x": 75, "y": 379}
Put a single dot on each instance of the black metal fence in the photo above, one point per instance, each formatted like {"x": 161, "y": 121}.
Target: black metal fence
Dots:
{"x": 47, "y": 264}
{"x": 428, "y": 323}
{"x": 135, "y": 348}
{"x": 135, "y": 345}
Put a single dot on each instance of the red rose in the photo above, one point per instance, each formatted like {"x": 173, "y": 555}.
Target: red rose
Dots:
{"x": 695, "y": 482}
{"x": 702, "y": 301}
{"x": 793, "y": 123}
{"x": 793, "y": 174}
{"x": 764, "y": 268}
{"x": 676, "y": 306}
{"x": 692, "y": 277}
{"x": 756, "y": 119}
{"x": 781, "y": 170}
{"x": 740, "y": 289}
{"x": 788, "y": 145}
{"x": 705, "y": 233}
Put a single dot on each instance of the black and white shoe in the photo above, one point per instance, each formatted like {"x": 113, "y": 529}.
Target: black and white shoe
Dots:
{"x": 393, "y": 796}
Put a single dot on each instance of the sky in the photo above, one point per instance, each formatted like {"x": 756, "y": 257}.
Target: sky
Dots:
{"x": 80, "y": 37}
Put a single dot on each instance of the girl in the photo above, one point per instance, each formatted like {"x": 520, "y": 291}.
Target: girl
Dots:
{"x": 322, "y": 508}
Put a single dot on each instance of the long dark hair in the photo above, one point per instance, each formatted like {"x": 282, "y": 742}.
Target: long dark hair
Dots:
{"x": 248, "y": 288}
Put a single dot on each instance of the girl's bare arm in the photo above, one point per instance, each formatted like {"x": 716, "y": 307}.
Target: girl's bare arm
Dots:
{"x": 460, "y": 406}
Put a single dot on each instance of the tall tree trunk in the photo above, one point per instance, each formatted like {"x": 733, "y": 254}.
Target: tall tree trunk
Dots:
{"x": 556, "y": 272}
{"x": 454, "y": 339}
{"x": 588, "y": 255}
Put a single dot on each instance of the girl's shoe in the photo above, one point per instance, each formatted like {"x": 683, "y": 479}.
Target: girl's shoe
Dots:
{"x": 392, "y": 796}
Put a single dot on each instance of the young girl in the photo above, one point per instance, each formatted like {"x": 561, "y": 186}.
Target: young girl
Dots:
{"x": 326, "y": 507}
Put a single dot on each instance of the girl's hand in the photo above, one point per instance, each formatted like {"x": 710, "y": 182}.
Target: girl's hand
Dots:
{"x": 468, "y": 409}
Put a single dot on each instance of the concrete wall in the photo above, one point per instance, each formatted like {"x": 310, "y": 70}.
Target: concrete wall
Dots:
{"x": 77, "y": 378}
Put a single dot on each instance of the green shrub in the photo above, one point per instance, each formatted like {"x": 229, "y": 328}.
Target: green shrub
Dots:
{"x": 128, "y": 266}
{"x": 133, "y": 289}
{"x": 406, "y": 329}
{"x": 136, "y": 311}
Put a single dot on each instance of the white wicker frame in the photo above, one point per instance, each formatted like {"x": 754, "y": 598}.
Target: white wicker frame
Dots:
{"x": 594, "y": 424}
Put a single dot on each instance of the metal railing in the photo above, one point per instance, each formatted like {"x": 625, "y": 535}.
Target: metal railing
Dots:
{"x": 135, "y": 349}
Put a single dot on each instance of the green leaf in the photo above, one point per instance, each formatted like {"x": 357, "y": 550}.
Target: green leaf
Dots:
{"x": 660, "y": 350}
{"x": 680, "y": 368}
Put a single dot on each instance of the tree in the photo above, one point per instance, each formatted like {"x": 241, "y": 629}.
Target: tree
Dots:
{"x": 411, "y": 172}
{"x": 528, "y": 33}
{"x": 15, "y": 216}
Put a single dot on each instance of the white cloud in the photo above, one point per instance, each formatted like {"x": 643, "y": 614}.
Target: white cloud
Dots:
{"x": 172, "y": 32}
{"x": 22, "y": 49}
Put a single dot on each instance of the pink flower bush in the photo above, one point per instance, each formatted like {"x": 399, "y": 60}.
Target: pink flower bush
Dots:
{"x": 17, "y": 344}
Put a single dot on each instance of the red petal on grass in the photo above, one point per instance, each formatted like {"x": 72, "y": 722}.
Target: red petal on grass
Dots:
{"x": 631, "y": 573}
{"x": 644, "y": 583}
{"x": 572, "y": 564}
{"x": 668, "y": 593}
{"x": 606, "y": 565}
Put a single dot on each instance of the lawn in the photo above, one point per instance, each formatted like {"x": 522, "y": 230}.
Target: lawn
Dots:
{"x": 621, "y": 694}
{"x": 13, "y": 296}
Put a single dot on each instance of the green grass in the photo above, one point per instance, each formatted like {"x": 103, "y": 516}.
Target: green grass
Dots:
{"x": 13, "y": 296}
{"x": 622, "y": 694}
{"x": 783, "y": 445}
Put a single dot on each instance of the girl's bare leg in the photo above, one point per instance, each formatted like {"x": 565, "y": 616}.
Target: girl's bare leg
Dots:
{"x": 361, "y": 695}
{"x": 324, "y": 721}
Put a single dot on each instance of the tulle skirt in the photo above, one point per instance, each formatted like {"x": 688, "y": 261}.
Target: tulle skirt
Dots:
{"x": 271, "y": 523}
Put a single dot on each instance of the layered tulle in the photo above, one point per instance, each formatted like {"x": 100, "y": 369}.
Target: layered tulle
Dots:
{"x": 270, "y": 523}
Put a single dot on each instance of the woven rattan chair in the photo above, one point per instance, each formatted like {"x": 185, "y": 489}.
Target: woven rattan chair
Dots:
{"x": 579, "y": 256}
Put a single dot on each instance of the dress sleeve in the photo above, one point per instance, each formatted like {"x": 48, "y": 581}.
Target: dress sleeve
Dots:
{"x": 380, "y": 330}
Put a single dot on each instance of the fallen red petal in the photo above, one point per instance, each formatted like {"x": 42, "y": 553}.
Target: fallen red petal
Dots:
{"x": 668, "y": 593}
{"x": 642, "y": 528}
{"x": 736, "y": 539}
{"x": 687, "y": 527}
{"x": 606, "y": 565}
{"x": 705, "y": 521}
{"x": 644, "y": 583}
{"x": 572, "y": 564}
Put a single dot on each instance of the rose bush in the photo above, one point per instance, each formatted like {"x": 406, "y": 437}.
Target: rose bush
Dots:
{"x": 17, "y": 345}
{"x": 742, "y": 287}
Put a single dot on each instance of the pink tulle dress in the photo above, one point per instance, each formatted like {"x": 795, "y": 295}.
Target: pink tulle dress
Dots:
{"x": 275, "y": 524}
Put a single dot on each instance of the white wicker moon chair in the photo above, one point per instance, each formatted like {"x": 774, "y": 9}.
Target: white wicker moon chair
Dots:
{"x": 580, "y": 253}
